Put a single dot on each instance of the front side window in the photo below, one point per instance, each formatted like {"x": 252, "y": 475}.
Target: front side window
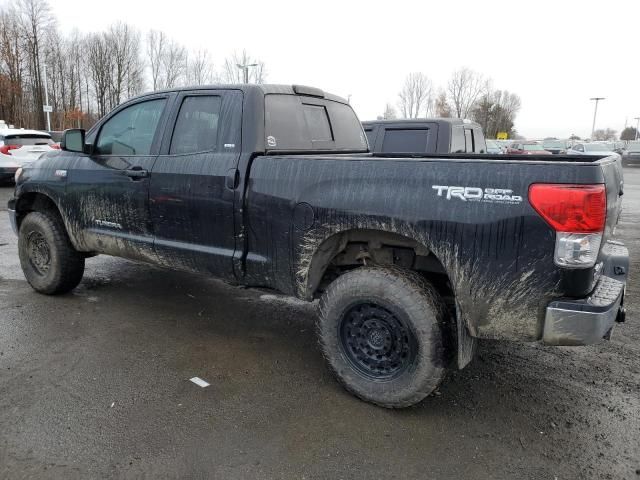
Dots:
{"x": 131, "y": 131}
{"x": 196, "y": 128}
{"x": 533, "y": 147}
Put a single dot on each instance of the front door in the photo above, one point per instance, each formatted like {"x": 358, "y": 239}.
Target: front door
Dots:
{"x": 193, "y": 183}
{"x": 109, "y": 188}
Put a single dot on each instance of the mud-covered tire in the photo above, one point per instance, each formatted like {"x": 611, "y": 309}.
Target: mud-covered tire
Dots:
{"x": 386, "y": 312}
{"x": 50, "y": 263}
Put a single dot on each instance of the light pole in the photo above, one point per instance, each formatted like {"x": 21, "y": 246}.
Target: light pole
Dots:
{"x": 637, "y": 119}
{"x": 245, "y": 70}
{"x": 595, "y": 112}
{"x": 46, "y": 98}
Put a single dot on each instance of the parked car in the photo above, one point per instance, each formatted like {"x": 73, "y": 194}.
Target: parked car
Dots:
{"x": 557, "y": 147}
{"x": 413, "y": 257}
{"x": 18, "y": 146}
{"x": 504, "y": 144}
{"x": 527, "y": 148}
{"x": 419, "y": 136}
{"x": 591, "y": 149}
{"x": 631, "y": 155}
{"x": 494, "y": 147}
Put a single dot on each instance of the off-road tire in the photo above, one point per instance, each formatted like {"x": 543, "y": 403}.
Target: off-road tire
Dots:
{"x": 414, "y": 303}
{"x": 50, "y": 263}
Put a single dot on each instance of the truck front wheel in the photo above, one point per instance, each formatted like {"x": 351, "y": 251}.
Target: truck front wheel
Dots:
{"x": 381, "y": 331}
{"x": 50, "y": 263}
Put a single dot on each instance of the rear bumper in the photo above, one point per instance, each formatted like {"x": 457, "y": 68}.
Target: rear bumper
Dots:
{"x": 588, "y": 320}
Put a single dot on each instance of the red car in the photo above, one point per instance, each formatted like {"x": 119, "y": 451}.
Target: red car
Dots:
{"x": 527, "y": 148}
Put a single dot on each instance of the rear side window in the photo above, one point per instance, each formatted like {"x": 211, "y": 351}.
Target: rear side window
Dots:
{"x": 457, "y": 140}
{"x": 196, "y": 128}
{"x": 131, "y": 131}
{"x": 27, "y": 139}
{"x": 413, "y": 140}
{"x": 468, "y": 140}
{"x": 479, "y": 142}
{"x": 300, "y": 123}
{"x": 317, "y": 122}
{"x": 370, "y": 136}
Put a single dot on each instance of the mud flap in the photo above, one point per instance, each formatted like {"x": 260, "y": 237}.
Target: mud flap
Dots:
{"x": 466, "y": 343}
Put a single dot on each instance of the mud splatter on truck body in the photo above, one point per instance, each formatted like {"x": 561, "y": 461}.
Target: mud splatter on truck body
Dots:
{"x": 288, "y": 198}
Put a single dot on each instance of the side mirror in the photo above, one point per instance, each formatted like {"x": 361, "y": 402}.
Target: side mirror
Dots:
{"x": 73, "y": 140}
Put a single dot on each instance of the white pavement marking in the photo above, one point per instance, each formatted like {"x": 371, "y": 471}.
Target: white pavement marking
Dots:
{"x": 200, "y": 382}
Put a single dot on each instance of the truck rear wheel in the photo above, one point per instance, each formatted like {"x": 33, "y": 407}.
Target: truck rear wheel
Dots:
{"x": 50, "y": 263}
{"x": 381, "y": 331}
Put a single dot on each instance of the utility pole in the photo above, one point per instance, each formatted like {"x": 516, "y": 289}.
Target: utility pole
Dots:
{"x": 46, "y": 107}
{"x": 637, "y": 119}
{"x": 595, "y": 112}
{"x": 245, "y": 70}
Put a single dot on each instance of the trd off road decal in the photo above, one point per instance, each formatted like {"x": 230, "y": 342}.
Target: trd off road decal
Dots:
{"x": 477, "y": 194}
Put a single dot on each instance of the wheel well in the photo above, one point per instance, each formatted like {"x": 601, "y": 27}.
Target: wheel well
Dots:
{"x": 354, "y": 248}
{"x": 34, "y": 202}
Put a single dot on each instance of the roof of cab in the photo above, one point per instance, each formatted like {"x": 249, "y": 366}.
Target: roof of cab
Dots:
{"x": 455, "y": 121}
{"x": 264, "y": 89}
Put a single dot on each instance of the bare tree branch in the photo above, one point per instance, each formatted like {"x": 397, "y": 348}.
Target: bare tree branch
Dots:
{"x": 415, "y": 98}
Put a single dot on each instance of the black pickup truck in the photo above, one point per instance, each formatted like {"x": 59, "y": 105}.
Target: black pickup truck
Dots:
{"x": 412, "y": 258}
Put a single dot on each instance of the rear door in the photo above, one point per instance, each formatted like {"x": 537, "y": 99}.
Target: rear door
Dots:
{"x": 193, "y": 182}
{"x": 109, "y": 189}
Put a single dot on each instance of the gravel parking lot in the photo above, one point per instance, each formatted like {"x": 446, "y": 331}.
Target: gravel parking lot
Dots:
{"x": 96, "y": 384}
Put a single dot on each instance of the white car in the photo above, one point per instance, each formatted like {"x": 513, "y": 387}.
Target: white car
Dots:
{"x": 18, "y": 146}
{"x": 591, "y": 149}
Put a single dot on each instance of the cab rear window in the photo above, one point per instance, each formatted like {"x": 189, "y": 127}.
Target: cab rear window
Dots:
{"x": 414, "y": 140}
{"x": 304, "y": 123}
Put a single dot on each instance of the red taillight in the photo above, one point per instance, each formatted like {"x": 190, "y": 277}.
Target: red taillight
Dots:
{"x": 55, "y": 145}
{"x": 570, "y": 208}
{"x": 5, "y": 148}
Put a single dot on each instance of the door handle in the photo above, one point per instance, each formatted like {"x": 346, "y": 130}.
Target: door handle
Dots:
{"x": 136, "y": 173}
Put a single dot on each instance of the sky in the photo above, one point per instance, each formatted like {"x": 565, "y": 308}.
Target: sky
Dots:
{"x": 554, "y": 54}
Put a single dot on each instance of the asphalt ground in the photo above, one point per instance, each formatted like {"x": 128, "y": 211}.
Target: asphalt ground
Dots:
{"x": 95, "y": 384}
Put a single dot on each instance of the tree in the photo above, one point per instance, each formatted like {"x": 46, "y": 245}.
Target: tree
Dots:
{"x": 155, "y": 52}
{"x": 574, "y": 137}
{"x": 200, "y": 69}
{"x": 34, "y": 18}
{"x": 496, "y": 111}
{"x": 128, "y": 70}
{"x": 464, "y": 88}
{"x": 389, "y": 112}
{"x": 100, "y": 65}
{"x": 415, "y": 98}
{"x": 442, "y": 107}
{"x": 12, "y": 68}
{"x": 629, "y": 133}
{"x": 604, "y": 134}
{"x": 167, "y": 60}
{"x": 231, "y": 73}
